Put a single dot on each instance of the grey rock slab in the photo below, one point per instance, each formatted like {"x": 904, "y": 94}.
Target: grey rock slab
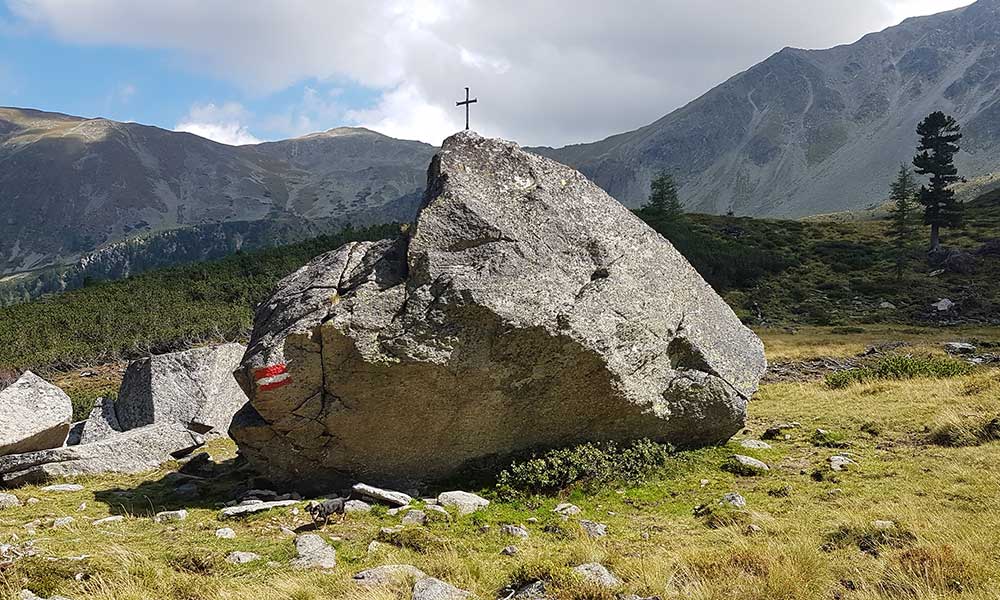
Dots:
{"x": 594, "y": 530}
{"x": 463, "y": 503}
{"x": 841, "y": 463}
{"x": 430, "y": 588}
{"x": 746, "y": 465}
{"x": 509, "y": 550}
{"x": 755, "y": 444}
{"x": 959, "y": 348}
{"x": 414, "y": 517}
{"x": 225, "y": 533}
{"x": 194, "y": 387}
{"x": 9, "y": 501}
{"x": 63, "y": 522}
{"x": 134, "y": 451}
{"x": 734, "y": 499}
{"x": 107, "y": 520}
{"x": 514, "y": 531}
{"x": 314, "y": 553}
{"x": 597, "y": 574}
{"x": 242, "y": 558}
{"x": 522, "y": 294}
{"x": 357, "y": 506}
{"x": 566, "y": 509}
{"x": 242, "y": 510}
{"x": 388, "y": 575}
{"x": 170, "y": 515}
{"x": 63, "y": 487}
{"x": 34, "y": 415}
{"x": 532, "y": 591}
{"x": 29, "y": 595}
{"x": 390, "y": 497}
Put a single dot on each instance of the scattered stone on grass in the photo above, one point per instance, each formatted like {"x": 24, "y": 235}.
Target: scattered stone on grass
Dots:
{"x": 388, "y": 575}
{"x": 597, "y": 574}
{"x": 314, "y": 553}
{"x": 249, "y": 509}
{"x": 430, "y": 588}
{"x": 464, "y": 503}
{"x": 241, "y": 558}
{"x": 593, "y": 529}
{"x": 390, "y": 497}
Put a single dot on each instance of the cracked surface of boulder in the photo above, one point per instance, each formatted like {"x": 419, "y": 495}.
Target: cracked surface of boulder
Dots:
{"x": 526, "y": 309}
{"x": 194, "y": 388}
{"x": 34, "y": 415}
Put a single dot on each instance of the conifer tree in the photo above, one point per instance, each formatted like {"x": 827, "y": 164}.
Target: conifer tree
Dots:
{"x": 901, "y": 216}
{"x": 939, "y": 136}
{"x": 663, "y": 199}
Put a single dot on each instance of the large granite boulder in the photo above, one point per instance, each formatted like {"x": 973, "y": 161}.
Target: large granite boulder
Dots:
{"x": 34, "y": 415}
{"x": 134, "y": 451}
{"x": 526, "y": 309}
{"x": 195, "y": 388}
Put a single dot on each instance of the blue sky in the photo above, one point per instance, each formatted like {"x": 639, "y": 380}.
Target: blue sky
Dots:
{"x": 240, "y": 71}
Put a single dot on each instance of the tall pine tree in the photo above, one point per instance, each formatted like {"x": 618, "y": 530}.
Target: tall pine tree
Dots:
{"x": 901, "y": 216}
{"x": 663, "y": 199}
{"x": 939, "y": 136}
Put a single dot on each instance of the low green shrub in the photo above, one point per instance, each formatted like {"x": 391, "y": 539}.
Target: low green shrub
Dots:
{"x": 589, "y": 464}
{"x": 897, "y": 367}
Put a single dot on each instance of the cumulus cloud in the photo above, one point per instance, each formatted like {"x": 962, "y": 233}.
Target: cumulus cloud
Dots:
{"x": 221, "y": 123}
{"x": 547, "y": 72}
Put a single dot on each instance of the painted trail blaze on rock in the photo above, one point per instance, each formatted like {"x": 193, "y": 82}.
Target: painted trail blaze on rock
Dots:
{"x": 526, "y": 309}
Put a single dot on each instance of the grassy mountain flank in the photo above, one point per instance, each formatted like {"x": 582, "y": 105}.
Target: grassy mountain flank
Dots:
{"x": 772, "y": 272}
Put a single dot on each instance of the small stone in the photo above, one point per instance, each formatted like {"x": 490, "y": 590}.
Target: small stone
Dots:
{"x": 753, "y": 529}
{"x": 883, "y": 525}
{"x": 943, "y": 305}
{"x": 887, "y": 306}
{"x": 464, "y": 503}
{"x": 111, "y": 519}
{"x": 430, "y": 588}
{"x": 63, "y": 487}
{"x": 776, "y": 431}
{"x": 755, "y": 444}
{"x": 415, "y": 517}
{"x": 389, "y": 497}
{"x": 567, "y": 510}
{"x": 509, "y": 551}
{"x": 82, "y": 507}
{"x": 63, "y": 522}
{"x": 288, "y": 532}
{"x": 374, "y": 546}
{"x": 32, "y": 501}
{"x": 357, "y": 506}
{"x": 8, "y": 501}
{"x": 959, "y": 348}
{"x": 840, "y": 463}
{"x": 314, "y": 553}
{"x": 514, "y": 530}
{"x": 171, "y": 515}
{"x": 392, "y": 512}
{"x": 733, "y": 499}
{"x": 241, "y": 558}
{"x": 531, "y": 591}
{"x": 388, "y": 575}
{"x": 225, "y": 533}
{"x": 598, "y": 574}
{"x": 532, "y": 519}
{"x": 745, "y": 465}
{"x": 704, "y": 482}
{"x": 594, "y": 530}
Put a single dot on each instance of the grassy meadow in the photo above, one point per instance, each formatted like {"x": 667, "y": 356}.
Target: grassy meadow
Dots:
{"x": 807, "y": 532}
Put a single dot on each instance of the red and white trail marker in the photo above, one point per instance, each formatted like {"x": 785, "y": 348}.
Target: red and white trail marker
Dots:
{"x": 272, "y": 377}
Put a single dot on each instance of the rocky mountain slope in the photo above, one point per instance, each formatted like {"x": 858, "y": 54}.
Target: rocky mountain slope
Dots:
{"x": 70, "y": 185}
{"x": 816, "y": 131}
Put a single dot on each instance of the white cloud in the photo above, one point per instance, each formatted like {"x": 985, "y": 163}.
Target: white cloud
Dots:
{"x": 549, "y": 72}
{"x": 221, "y": 123}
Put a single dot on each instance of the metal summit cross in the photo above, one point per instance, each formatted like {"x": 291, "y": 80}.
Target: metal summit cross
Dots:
{"x": 466, "y": 104}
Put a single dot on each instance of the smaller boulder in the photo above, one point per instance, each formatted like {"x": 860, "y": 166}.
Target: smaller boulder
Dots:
{"x": 242, "y": 510}
{"x": 464, "y": 503}
{"x": 34, "y": 415}
{"x": 514, "y": 531}
{"x": 415, "y": 517}
{"x": 9, "y": 501}
{"x": 195, "y": 388}
{"x": 959, "y": 348}
{"x": 390, "y": 497}
{"x": 357, "y": 506}
{"x": 171, "y": 515}
{"x": 225, "y": 533}
{"x": 943, "y": 305}
{"x": 755, "y": 444}
{"x": 594, "y": 530}
{"x": 566, "y": 509}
